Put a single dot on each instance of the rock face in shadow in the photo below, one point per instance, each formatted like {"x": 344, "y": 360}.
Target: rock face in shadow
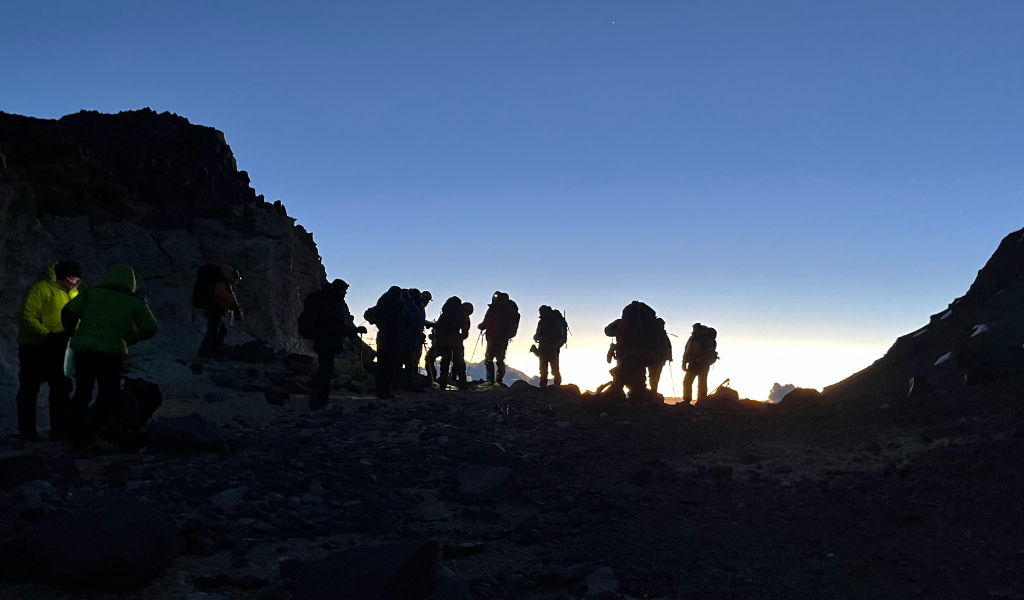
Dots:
{"x": 978, "y": 338}
{"x": 155, "y": 192}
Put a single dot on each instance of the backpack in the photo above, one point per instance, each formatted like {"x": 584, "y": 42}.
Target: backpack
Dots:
{"x": 638, "y": 331}
{"x": 510, "y": 318}
{"x": 207, "y": 278}
{"x": 706, "y": 337}
{"x": 387, "y": 312}
{"x": 448, "y": 326}
{"x": 554, "y": 327}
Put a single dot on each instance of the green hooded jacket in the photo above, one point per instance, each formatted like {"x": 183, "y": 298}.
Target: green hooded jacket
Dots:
{"x": 111, "y": 316}
{"x": 40, "y": 312}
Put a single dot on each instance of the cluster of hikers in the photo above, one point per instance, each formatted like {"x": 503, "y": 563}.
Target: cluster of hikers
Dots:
{"x": 62, "y": 333}
{"x": 65, "y": 333}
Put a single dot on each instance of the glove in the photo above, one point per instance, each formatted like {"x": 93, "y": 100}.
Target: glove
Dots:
{"x": 360, "y": 329}
{"x": 481, "y": 327}
{"x": 57, "y": 337}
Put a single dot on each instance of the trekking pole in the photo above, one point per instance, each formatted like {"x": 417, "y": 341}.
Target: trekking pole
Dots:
{"x": 479, "y": 337}
{"x": 672, "y": 378}
{"x": 362, "y": 384}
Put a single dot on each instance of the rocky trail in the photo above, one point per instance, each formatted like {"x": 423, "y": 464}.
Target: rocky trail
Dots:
{"x": 243, "y": 492}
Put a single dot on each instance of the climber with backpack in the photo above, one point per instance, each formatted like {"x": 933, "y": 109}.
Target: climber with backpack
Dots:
{"x": 450, "y": 331}
{"x": 662, "y": 355}
{"x": 325, "y": 319}
{"x": 637, "y": 345}
{"x": 700, "y": 353}
{"x": 412, "y": 337}
{"x": 500, "y": 324}
{"x": 391, "y": 316}
{"x": 213, "y": 292}
{"x": 552, "y": 333}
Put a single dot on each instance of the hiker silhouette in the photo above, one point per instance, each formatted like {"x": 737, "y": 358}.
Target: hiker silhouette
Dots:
{"x": 214, "y": 293}
{"x": 500, "y": 324}
{"x": 663, "y": 355}
{"x": 638, "y": 343}
{"x": 552, "y": 333}
{"x": 400, "y": 318}
{"x": 448, "y": 337}
{"x": 325, "y": 318}
{"x": 698, "y": 356}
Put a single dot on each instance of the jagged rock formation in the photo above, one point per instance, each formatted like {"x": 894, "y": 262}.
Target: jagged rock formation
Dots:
{"x": 978, "y": 338}
{"x": 158, "y": 193}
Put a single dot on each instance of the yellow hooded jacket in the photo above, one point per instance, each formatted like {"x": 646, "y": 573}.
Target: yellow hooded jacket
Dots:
{"x": 40, "y": 312}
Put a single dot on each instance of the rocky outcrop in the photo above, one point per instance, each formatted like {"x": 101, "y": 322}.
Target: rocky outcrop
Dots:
{"x": 976, "y": 339}
{"x": 156, "y": 192}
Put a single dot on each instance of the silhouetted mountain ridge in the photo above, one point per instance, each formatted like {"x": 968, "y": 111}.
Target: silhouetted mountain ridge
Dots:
{"x": 977, "y": 338}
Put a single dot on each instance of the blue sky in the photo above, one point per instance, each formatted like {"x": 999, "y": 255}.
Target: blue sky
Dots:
{"x": 812, "y": 178}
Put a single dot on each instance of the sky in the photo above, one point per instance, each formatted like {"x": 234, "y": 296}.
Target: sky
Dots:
{"x": 813, "y": 179}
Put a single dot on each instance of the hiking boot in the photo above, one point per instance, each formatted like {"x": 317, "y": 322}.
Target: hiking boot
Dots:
{"x": 101, "y": 445}
{"x": 30, "y": 436}
{"x": 60, "y": 435}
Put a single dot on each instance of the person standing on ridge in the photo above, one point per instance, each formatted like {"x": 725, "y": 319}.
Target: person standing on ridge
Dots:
{"x": 661, "y": 356}
{"x": 326, "y": 319}
{"x": 413, "y": 337}
{"x": 42, "y": 343}
{"x": 450, "y": 331}
{"x": 214, "y": 294}
{"x": 106, "y": 320}
{"x": 698, "y": 356}
{"x": 391, "y": 316}
{"x": 637, "y": 344}
{"x": 552, "y": 333}
{"x": 501, "y": 323}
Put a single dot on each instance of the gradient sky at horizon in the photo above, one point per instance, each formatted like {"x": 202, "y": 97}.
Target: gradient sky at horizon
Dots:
{"x": 813, "y": 179}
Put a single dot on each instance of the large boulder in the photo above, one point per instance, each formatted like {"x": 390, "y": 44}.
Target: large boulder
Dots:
{"x": 113, "y": 546}
{"x": 399, "y": 571}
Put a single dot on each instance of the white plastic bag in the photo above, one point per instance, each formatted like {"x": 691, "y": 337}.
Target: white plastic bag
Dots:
{"x": 69, "y": 362}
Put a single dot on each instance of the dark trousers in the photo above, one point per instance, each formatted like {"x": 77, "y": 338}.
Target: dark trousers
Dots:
{"x": 453, "y": 363}
{"x": 430, "y": 362}
{"x": 38, "y": 364}
{"x": 701, "y": 375}
{"x": 654, "y": 374}
{"x": 632, "y": 374}
{"x": 410, "y": 366}
{"x": 322, "y": 380}
{"x": 216, "y": 331}
{"x": 388, "y": 359}
{"x": 495, "y": 354}
{"x": 549, "y": 358}
{"x": 104, "y": 372}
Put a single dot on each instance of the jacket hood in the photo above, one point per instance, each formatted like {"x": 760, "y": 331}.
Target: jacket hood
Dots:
{"x": 48, "y": 273}
{"x": 120, "y": 278}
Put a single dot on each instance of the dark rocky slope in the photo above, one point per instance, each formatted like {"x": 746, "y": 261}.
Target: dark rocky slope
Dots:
{"x": 977, "y": 338}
